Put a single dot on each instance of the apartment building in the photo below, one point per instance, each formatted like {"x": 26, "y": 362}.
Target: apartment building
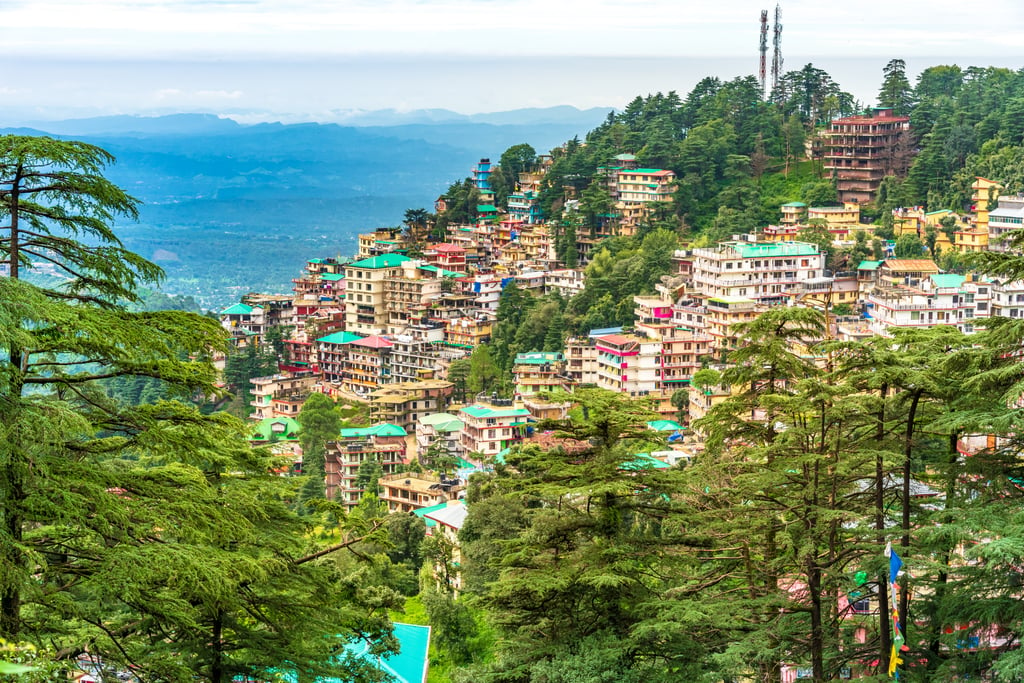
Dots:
{"x": 1008, "y": 298}
{"x": 861, "y": 150}
{"x": 489, "y": 429}
{"x": 581, "y": 360}
{"x": 762, "y": 271}
{"x": 366, "y": 365}
{"x": 442, "y": 427}
{"x": 939, "y": 299}
{"x": 628, "y": 364}
{"x": 974, "y": 236}
{"x": 1005, "y": 218}
{"x": 332, "y": 355}
{"x": 409, "y": 491}
{"x": 539, "y": 372}
{"x": 365, "y": 309}
{"x": 405, "y": 403}
{"x": 280, "y": 395}
{"x": 383, "y": 442}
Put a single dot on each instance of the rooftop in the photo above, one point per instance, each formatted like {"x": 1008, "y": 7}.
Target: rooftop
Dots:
{"x": 383, "y": 429}
{"x": 237, "y": 309}
{"x": 773, "y": 249}
{"x": 442, "y": 422}
{"x": 477, "y": 410}
{"x": 285, "y": 428}
{"x": 947, "y": 280}
{"x": 340, "y": 338}
{"x": 913, "y": 265}
{"x": 453, "y": 515}
{"x": 382, "y": 261}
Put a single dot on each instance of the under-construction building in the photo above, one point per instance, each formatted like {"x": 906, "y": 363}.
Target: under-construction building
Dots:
{"x": 861, "y": 150}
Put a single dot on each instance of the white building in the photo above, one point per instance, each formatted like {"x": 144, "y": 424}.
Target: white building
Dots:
{"x": 762, "y": 271}
{"x": 944, "y": 299}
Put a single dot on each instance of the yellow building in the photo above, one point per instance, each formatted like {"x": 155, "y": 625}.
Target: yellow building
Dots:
{"x": 975, "y": 237}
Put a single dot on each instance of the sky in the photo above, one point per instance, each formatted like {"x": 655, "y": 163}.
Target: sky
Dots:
{"x": 314, "y": 59}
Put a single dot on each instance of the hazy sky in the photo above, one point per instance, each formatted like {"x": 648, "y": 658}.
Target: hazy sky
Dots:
{"x": 311, "y": 57}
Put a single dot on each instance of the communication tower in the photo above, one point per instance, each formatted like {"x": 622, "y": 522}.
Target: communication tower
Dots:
{"x": 777, "y": 53}
{"x": 763, "y": 71}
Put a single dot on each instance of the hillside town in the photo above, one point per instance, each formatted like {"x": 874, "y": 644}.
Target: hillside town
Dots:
{"x": 384, "y": 327}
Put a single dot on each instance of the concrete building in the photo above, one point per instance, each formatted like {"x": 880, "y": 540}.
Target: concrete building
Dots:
{"x": 409, "y": 491}
{"x": 861, "y": 150}
{"x": 405, "y": 403}
{"x": 1005, "y": 218}
{"x": 539, "y": 372}
{"x": 383, "y": 442}
{"x": 939, "y": 299}
{"x": 280, "y": 395}
{"x": 764, "y": 272}
{"x": 365, "y": 310}
{"x": 974, "y": 237}
{"x": 489, "y": 429}
{"x": 442, "y": 427}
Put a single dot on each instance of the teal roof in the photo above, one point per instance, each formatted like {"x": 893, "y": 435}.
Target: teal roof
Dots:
{"x": 773, "y": 249}
{"x": 645, "y": 171}
{"x": 499, "y": 457}
{"x": 539, "y": 357}
{"x": 442, "y": 271}
{"x": 340, "y": 338}
{"x": 331, "y": 277}
{"x": 382, "y": 261}
{"x": 237, "y": 309}
{"x": 932, "y": 213}
{"x": 477, "y": 410}
{"x": 424, "y": 511}
{"x": 486, "y": 208}
{"x": 665, "y": 425}
{"x": 796, "y": 204}
{"x": 947, "y": 279}
{"x": 644, "y": 461}
{"x": 383, "y": 429}
{"x": 408, "y": 666}
{"x": 442, "y": 422}
{"x": 287, "y": 429}
{"x": 869, "y": 265}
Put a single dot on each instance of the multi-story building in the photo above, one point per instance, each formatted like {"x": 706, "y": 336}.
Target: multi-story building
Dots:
{"x": 409, "y": 293}
{"x": 405, "y": 403}
{"x": 365, "y": 310}
{"x": 1005, "y": 218}
{"x": 468, "y": 332}
{"x": 538, "y": 372}
{"x": 280, "y": 395}
{"x": 442, "y": 427}
{"x": 447, "y": 256}
{"x": 939, "y": 299}
{"x": 332, "y": 355}
{"x": 408, "y": 491}
{"x": 861, "y": 150}
{"x": 581, "y": 360}
{"x": 722, "y": 313}
{"x": 414, "y": 356}
{"x": 525, "y": 206}
{"x": 566, "y": 282}
{"x": 489, "y": 429}
{"x": 380, "y": 241}
{"x": 628, "y": 364}
{"x": 974, "y": 237}
{"x": 251, "y": 319}
{"x": 367, "y": 365}
{"x": 383, "y": 442}
{"x": 1008, "y": 298}
{"x": 643, "y": 185}
{"x": 762, "y": 271}
{"x": 793, "y": 213}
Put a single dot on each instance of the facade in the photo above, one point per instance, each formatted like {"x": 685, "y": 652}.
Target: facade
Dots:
{"x": 939, "y": 299}
{"x": 365, "y": 310}
{"x": 367, "y": 365}
{"x": 861, "y": 150}
{"x": 405, "y": 403}
{"x": 642, "y": 185}
{"x": 539, "y": 372}
{"x": 409, "y": 491}
{"x": 439, "y": 426}
{"x": 1005, "y": 218}
{"x": 581, "y": 361}
{"x": 383, "y": 442}
{"x": 793, "y": 213}
{"x": 1008, "y": 298}
{"x": 628, "y": 364}
{"x": 762, "y": 271}
{"x": 489, "y": 429}
{"x": 332, "y": 355}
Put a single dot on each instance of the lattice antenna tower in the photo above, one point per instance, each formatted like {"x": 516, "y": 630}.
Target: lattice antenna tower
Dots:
{"x": 763, "y": 71}
{"x": 777, "y": 53}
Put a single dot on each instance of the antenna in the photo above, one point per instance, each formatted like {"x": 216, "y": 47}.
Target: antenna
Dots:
{"x": 762, "y": 72}
{"x": 777, "y": 53}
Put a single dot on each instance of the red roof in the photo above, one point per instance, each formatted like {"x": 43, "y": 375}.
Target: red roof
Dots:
{"x": 616, "y": 339}
{"x": 449, "y": 248}
{"x": 374, "y": 342}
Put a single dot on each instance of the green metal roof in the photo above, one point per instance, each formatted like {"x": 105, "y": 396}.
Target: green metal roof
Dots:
{"x": 442, "y": 271}
{"x": 382, "y": 261}
{"x": 477, "y": 410}
{"x": 665, "y": 425}
{"x": 331, "y": 277}
{"x": 340, "y": 338}
{"x": 539, "y": 357}
{"x": 774, "y": 249}
{"x": 264, "y": 429}
{"x": 644, "y": 461}
{"x": 796, "y": 204}
{"x": 237, "y": 309}
{"x": 645, "y": 171}
{"x": 486, "y": 208}
{"x": 383, "y": 429}
{"x": 442, "y": 422}
{"x": 424, "y": 511}
{"x": 947, "y": 279}
{"x": 869, "y": 265}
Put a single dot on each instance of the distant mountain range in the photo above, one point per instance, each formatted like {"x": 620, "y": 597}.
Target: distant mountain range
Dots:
{"x": 229, "y": 208}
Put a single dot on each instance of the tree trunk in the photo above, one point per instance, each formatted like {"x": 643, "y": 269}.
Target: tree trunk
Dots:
{"x": 908, "y": 448}
{"x": 885, "y": 636}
